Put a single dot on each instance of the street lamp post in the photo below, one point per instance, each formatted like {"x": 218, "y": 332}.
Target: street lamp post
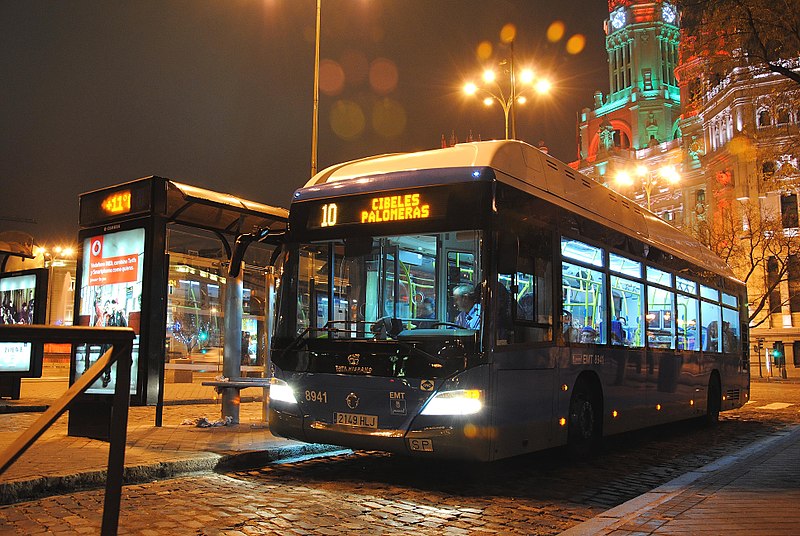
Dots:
{"x": 315, "y": 120}
{"x": 649, "y": 179}
{"x": 494, "y": 92}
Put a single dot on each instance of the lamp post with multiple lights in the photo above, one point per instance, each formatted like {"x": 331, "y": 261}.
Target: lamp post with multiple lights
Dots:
{"x": 515, "y": 93}
{"x": 56, "y": 256}
{"x": 649, "y": 179}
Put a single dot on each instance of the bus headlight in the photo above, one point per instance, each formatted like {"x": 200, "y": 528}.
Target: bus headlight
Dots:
{"x": 459, "y": 402}
{"x": 279, "y": 390}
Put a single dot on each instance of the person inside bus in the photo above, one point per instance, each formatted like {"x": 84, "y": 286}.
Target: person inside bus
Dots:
{"x": 618, "y": 337}
{"x": 588, "y": 335}
{"x": 427, "y": 311}
{"x": 712, "y": 339}
{"x": 568, "y": 331}
{"x": 465, "y": 298}
{"x": 728, "y": 338}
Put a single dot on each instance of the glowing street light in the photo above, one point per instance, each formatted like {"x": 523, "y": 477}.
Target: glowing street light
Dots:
{"x": 57, "y": 256}
{"x": 493, "y": 91}
{"x": 648, "y": 178}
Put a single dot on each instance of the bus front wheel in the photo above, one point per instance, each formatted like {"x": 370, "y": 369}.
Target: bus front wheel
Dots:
{"x": 584, "y": 433}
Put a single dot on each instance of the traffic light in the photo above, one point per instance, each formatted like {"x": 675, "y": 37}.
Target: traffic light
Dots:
{"x": 778, "y": 355}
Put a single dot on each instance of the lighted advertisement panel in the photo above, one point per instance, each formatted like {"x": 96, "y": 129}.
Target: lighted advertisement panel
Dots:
{"x": 22, "y": 301}
{"x": 111, "y": 271}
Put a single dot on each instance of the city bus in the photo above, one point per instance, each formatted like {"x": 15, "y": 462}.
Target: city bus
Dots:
{"x": 586, "y": 314}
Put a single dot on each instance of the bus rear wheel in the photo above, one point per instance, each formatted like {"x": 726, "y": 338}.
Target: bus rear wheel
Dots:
{"x": 714, "y": 402}
{"x": 584, "y": 433}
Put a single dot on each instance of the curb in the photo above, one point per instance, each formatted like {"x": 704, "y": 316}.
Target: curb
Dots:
{"x": 46, "y": 486}
{"x": 11, "y": 408}
{"x": 6, "y": 408}
{"x": 606, "y": 522}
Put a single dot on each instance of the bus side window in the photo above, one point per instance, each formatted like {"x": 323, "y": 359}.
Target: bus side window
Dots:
{"x": 524, "y": 298}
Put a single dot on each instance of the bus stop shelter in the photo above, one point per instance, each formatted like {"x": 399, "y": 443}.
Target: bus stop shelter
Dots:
{"x": 169, "y": 260}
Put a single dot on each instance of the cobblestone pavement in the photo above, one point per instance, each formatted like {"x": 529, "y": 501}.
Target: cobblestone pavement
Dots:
{"x": 543, "y": 493}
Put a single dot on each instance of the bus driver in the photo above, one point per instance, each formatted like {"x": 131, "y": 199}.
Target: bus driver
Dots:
{"x": 466, "y": 300}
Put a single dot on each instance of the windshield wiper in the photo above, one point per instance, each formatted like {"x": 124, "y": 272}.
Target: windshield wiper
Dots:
{"x": 430, "y": 357}
{"x": 301, "y": 340}
{"x": 379, "y": 326}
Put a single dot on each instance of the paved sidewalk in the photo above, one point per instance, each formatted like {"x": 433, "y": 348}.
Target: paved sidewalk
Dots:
{"x": 755, "y": 491}
{"x": 57, "y": 463}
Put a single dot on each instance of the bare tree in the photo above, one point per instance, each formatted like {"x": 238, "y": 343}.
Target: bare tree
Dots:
{"x": 758, "y": 249}
{"x": 737, "y": 33}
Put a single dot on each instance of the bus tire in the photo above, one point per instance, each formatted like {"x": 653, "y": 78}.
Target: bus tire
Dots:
{"x": 584, "y": 433}
{"x": 714, "y": 402}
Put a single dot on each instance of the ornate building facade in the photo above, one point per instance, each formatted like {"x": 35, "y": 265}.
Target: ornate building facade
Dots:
{"x": 732, "y": 143}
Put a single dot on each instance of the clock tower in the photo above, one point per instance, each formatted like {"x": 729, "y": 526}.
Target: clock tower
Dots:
{"x": 642, "y": 106}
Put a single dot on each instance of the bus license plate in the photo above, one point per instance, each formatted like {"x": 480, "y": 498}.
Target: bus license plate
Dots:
{"x": 421, "y": 445}
{"x": 355, "y": 419}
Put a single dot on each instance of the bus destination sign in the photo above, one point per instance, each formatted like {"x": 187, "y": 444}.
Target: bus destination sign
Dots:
{"x": 371, "y": 210}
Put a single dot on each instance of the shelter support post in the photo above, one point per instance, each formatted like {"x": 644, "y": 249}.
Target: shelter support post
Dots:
{"x": 232, "y": 357}
{"x": 269, "y": 326}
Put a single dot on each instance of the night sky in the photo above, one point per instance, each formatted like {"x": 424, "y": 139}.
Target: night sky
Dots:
{"x": 219, "y": 93}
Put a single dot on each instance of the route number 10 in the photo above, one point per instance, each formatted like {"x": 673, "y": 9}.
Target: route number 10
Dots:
{"x": 329, "y": 215}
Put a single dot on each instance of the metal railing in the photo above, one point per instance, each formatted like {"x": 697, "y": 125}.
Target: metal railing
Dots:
{"x": 121, "y": 341}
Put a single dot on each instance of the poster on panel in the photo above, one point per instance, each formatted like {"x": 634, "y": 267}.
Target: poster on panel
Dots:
{"x": 19, "y": 305}
{"x": 111, "y": 296}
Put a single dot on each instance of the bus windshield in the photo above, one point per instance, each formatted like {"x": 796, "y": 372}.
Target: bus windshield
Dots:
{"x": 371, "y": 287}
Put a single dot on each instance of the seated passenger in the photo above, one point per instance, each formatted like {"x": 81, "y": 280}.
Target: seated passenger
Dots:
{"x": 466, "y": 299}
{"x": 617, "y": 333}
{"x": 427, "y": 311}
{"x": 588, "y": 335}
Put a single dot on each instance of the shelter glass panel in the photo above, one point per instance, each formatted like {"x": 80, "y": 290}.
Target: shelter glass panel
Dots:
{"x": 198, "y": 275}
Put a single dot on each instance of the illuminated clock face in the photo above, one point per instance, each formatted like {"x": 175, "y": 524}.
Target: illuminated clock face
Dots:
{"x": 669, "y": 13}
{"x": 618, "y": 18}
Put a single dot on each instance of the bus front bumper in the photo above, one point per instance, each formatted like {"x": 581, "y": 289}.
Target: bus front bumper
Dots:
{"x": 457, "y": 439}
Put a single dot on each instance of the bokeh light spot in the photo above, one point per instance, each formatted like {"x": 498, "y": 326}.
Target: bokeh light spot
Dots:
{"x": 331, "y": 77}
{"x": 508, "y": 33}
{"x": 555, "y": 32}
{"x": 356, "y": 67}
{"x": 484, "y": 50}
{"x": 576, "y": 44}
{"x": 383, "y": 76}
{"x": 347, "y": 119}
{"x": 388, "y": 118}
{"x": 740, "y": 145}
